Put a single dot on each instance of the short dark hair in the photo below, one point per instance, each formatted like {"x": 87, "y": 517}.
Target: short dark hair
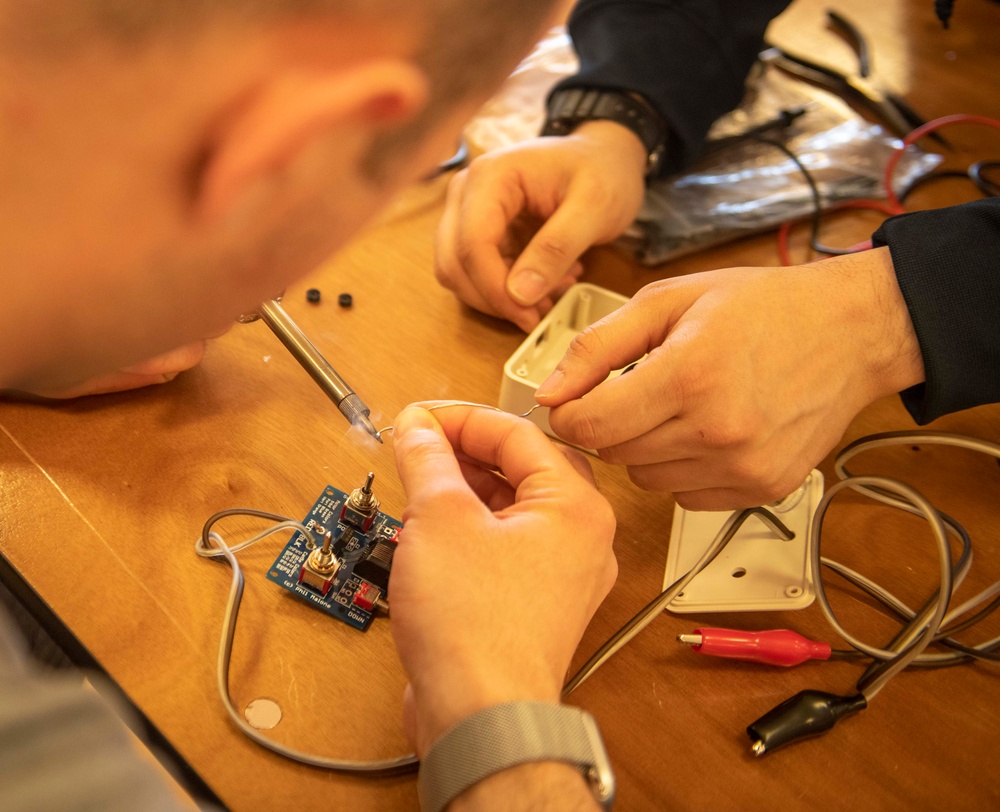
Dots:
{"x": 467, "y": 45}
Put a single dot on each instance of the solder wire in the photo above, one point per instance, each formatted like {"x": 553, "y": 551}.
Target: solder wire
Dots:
{"x": 212, "y": 545}
{"x": 447, "y": 404}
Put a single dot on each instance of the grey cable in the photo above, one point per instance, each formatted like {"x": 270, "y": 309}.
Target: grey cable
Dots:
{"x": 924, "y": 628}
{"x": 374, "y": 768}
{"x": 649, "y": 612}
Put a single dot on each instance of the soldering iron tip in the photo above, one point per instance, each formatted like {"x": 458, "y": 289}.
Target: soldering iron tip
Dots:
{"x": 363, "y": 422}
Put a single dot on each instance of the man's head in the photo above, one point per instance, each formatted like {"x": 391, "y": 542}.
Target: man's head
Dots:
{"x": 167, "y": 164}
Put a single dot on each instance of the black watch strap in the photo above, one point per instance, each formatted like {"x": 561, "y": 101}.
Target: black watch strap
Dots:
{"x": 567, "y": 109}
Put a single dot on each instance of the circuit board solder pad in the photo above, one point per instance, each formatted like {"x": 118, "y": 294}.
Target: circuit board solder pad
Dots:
{"x": 361, "y": 578}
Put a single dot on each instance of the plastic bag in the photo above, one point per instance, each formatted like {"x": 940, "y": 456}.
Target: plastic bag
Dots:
{"x": 740, "y": 189}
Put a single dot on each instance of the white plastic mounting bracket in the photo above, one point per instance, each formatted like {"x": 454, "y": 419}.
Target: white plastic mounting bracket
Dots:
{"x": 532, "y": 362}
{"x": 757, "y": 570}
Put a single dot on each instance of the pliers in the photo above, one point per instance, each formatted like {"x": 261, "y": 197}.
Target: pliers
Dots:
{"x": 859, "y": 88}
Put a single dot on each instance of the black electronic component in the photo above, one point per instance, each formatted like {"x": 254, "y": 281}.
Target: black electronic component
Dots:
{"x": 313, "y": 295}
{"x": 345, "y": 300}
{"x": 341, "y": 544}
{"x": 943, "y": 9}
{"x": 377, "y": 562}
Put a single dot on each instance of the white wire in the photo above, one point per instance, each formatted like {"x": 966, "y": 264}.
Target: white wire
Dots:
{"x": 217, "y": 552}
{"x": 890, "y": 492}
{"x": 378, "y": 767}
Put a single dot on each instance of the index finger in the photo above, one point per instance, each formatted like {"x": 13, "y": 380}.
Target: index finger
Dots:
{"x": 613, "y": 342}
{"x": 622, "y": 408}
{"x": 484, "y": 208}
{"x": 512, "y": 445}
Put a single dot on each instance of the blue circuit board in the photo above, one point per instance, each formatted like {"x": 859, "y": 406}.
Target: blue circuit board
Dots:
{"x": 339, "y": 600}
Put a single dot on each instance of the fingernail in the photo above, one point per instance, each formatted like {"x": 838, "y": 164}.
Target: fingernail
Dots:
{"x": 550, "y": 385}
{"x": 527, "y": 287}
{"x": 414, "y": 418}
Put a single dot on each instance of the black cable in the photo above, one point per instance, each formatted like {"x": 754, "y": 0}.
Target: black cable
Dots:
{"x": 975, "y": 173}
{"x": 982, "y": 614}
{"x": 989, "y": 188}
{"x": 817, "y": 213}
{"x": 943, "y": 9}
{"x": 810, "y": 181}
{"x": 930, "y": 177}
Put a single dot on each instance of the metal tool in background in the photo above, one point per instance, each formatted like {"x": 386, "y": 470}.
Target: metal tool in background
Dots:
{"x": 860, "y": 88}
{"x": 313, "y": 362}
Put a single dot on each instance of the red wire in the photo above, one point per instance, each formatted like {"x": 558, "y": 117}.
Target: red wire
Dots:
{"x": 892, "y": 206}
{"x": 920, "y": 132}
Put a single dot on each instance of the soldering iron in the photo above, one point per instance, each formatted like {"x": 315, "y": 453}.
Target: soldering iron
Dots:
{"x": 320, "y": 370}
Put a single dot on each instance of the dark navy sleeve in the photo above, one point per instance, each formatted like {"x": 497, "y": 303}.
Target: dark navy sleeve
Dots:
{"x": 947, "y": 263}
{"x": 689, "y": 58}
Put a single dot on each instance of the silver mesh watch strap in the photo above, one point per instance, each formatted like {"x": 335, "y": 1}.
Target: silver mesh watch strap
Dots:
{"x": 504, "y": 736}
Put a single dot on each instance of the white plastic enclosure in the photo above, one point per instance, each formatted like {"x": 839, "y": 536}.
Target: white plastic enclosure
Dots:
{"x": 757, "y": 570}
{"x": 532, "y": 362}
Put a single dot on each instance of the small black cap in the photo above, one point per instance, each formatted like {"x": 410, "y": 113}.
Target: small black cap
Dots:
{"x": 345, "y": 300}
{"x": 312, "y": 295}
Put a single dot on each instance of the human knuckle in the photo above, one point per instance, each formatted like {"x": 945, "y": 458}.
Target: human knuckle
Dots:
{"x": 757, "y": 476}
{"x": 604, "y": 519}
{"x": 553, "y": 247}
{"x": 643, "y": 478}
{"x": 585, "y": 430}
{"x": 730, "y": 431}
{"x": 465, "y": 252}
{"x": 749, "y": 470}
{"x": 483, "y": 166}
{"x": 612, "y": 455}
{"x": 585, "y": 345}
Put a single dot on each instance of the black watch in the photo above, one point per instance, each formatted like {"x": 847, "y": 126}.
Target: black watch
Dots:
{"x": 567, "y": 109}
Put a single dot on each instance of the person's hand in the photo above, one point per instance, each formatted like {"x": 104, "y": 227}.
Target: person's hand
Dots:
{"x": 753, "y": 374}
{"x": 518, "y": 219}
{"x": 157, "y": 370}
{"x": 495, "y": 577}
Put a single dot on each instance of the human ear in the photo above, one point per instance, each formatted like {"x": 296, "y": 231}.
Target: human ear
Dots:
{"x": 270, "y": 128}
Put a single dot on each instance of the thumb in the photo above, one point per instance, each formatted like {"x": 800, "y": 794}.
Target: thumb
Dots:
{"x": 617, "y": 340}
{"x": 426, "y": 462}
{"x": 553, "y": 251}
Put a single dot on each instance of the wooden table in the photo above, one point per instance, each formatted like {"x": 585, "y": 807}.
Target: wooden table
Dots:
{"x": 102, "y": 500}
